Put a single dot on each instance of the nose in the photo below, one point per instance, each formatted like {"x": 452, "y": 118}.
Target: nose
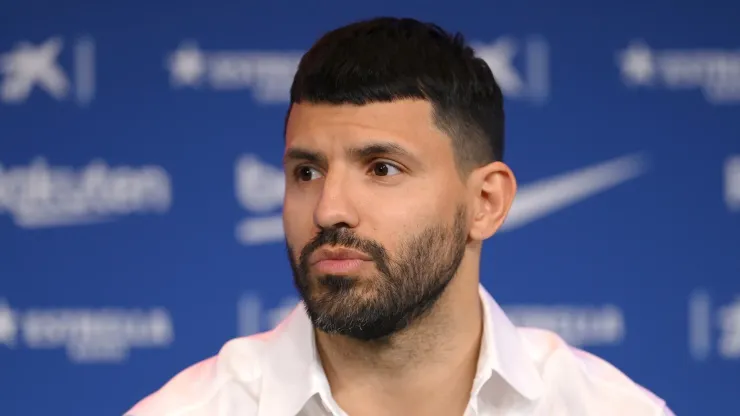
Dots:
{"x": 335, "y": 206}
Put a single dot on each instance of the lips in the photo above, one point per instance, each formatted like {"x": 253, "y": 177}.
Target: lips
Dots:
{"x": 338, "y": 260}
{"x": 337, "y": 254}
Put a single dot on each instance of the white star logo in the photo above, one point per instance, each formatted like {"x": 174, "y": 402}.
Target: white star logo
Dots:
{"x": 637, "y": 64}
{"x": 187, "y": 65}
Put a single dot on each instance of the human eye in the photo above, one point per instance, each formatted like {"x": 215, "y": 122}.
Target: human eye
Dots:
{"x": 306, "y": 173}
{"x": 385, "y": 169}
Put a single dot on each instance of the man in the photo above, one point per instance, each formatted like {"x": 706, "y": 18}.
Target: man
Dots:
{"x": 394, "y": 178}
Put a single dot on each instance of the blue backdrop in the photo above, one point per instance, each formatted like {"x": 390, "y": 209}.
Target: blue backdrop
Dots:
{"x": 140, "y": 186}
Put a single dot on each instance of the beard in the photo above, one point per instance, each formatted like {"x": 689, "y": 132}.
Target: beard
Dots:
{"x": 403, "y": 288}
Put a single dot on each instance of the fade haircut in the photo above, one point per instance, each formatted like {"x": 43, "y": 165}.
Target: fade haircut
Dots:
{"x": 387, "y": 59}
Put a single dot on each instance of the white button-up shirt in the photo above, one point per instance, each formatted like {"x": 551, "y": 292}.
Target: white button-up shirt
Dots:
{"x": 521, "y": 371}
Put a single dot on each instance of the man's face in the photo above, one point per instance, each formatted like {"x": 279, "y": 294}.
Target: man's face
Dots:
{"x": 374, "y": 214}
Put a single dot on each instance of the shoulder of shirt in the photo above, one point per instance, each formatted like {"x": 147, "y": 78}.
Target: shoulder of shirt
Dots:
{"x": 565, "y": 368}
{"x": 197, "y": 389}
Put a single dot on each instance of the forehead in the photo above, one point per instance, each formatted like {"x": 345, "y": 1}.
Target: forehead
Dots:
{"x": 408, "y": 123}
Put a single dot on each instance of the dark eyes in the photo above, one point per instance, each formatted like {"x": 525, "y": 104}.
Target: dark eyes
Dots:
{"x": 308, "y": 173}
{"x": 385, "y": 169}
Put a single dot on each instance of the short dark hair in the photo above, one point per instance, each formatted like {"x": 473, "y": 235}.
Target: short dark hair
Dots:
{"x": 386, "y": 59}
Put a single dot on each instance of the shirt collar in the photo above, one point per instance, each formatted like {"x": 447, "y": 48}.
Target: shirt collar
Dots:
{"x": 503, "y": 352}
{"x": 292, "y": 372}
{"x": 291, "y": 369}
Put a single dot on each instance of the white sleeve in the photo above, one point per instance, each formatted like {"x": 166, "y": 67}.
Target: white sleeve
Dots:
{"x": 667, "y": 412}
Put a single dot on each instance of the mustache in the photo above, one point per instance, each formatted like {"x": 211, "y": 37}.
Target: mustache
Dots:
{"x": 346, "y": 238}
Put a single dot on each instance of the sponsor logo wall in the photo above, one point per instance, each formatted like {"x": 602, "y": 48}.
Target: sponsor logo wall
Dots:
{"x": 141, "y": 191}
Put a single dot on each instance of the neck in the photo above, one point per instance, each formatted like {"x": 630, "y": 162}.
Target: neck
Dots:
{"x": 428, "y": 368}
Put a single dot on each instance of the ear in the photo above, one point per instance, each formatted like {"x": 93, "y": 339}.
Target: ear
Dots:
{"x": 493, "y": 189}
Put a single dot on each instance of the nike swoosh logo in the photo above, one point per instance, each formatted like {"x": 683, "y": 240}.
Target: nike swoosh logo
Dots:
{"x": 542, "y": 198}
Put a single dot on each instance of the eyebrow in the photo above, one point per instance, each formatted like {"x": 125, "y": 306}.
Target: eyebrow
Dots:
{"x": 304, "y": 155}
{"x": 376, "y": 149}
